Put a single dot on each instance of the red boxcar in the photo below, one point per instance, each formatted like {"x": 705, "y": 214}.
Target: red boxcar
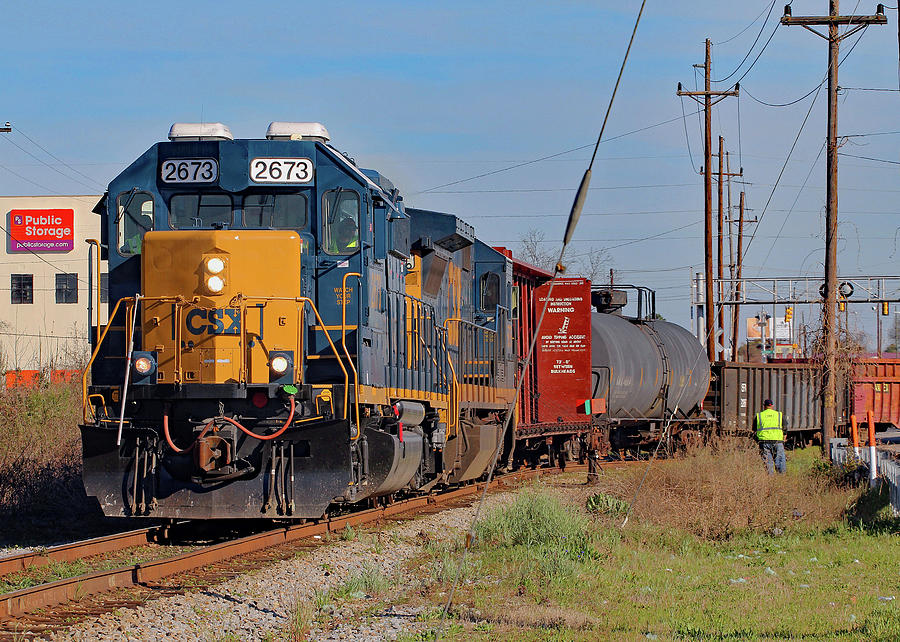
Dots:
{"x": 876, "y": 387}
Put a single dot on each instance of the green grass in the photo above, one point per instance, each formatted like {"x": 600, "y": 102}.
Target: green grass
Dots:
{"x": 561, "y": 575}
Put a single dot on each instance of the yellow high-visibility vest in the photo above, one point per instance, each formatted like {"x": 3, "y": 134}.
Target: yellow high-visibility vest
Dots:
{"x": 769, "y": 425}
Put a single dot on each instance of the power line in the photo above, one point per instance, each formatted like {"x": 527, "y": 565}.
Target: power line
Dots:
{"x": 41, "y": 258}
{"x": 543, "y": 158}
{"x": 46, "y": 164}
{"x": 756, "y": 40}
{"x": 558, "y": 189}
{"x": 742, "y": 31}
{"x": 54, "y": 157}
{"x": 687, "y": 139}
{"x": 868, "y": 89}
{"x": 869, "y": 158}
{"x": 796, "y": 198}
{"x": 793, "y": 102}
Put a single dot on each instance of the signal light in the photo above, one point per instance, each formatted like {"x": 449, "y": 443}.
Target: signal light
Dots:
{"x": 788, "y": 314}
{"x": 842, "y": 305}
{"x": 885, "y": 308}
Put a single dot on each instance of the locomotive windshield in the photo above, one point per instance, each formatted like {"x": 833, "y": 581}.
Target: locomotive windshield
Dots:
{"x": 205, "y": 211}
{"x": 279, "y": 211}
{"x": 340, "y": 221}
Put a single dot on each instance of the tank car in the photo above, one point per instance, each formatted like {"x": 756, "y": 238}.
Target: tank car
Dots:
{"x": 285, "y": 335}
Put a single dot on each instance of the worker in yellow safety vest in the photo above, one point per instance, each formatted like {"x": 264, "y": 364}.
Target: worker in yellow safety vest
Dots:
{"x": 770, "y": 435}
{"x": 346, "y": 237}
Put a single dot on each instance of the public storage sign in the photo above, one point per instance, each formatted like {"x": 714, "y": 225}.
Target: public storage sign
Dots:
{"x": 563, "y": 357}
{"x": 41, "y": 230}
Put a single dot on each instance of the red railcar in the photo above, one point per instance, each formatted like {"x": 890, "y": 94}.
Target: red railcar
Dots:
{"x": 876, "y": 386}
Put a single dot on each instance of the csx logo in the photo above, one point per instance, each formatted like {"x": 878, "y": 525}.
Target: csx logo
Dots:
{"x": 215, "y": 321}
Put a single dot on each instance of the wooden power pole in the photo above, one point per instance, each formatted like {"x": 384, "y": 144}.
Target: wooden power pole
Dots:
{"x": 708, "y": 103}
{"x": 833, "y": 20}
{"x": 736, "y": 313}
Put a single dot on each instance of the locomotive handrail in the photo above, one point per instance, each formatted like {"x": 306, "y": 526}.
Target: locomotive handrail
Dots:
{"x": 87, "y": 369}
{"x": 344, "y": 298}
{"x": 302, "y": 300}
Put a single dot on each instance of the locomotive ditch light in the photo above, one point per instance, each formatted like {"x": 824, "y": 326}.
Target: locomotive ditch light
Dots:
{"x": 215, "y": 284}
{"x": 215, "y": 265}
{"x": 279, "y": 364}
{"x": 143, "y": 365}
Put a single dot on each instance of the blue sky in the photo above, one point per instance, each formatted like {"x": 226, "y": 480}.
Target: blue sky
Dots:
{"x": 431, "y": 93}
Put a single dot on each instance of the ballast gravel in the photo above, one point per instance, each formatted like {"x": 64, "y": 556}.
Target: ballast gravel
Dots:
{"x": 262, "y": 604}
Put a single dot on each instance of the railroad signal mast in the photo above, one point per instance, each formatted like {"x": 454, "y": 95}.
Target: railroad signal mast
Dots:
{"x": 833, "y": 20}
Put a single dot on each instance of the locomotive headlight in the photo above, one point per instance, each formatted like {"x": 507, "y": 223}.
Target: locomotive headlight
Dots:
{"x": 215, "y": 284}
{"x": 215, "y": 265}
{"x": 279, "y": 364}
{"x": 143, "y": 365}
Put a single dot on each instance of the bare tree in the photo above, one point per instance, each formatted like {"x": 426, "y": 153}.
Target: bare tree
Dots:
{"x": 593, "y": 264}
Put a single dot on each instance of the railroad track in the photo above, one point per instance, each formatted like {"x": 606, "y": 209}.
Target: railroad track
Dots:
{"x": 29, "y": 612}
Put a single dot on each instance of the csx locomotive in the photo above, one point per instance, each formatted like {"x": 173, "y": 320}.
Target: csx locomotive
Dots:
{"x": 285, "y": 336}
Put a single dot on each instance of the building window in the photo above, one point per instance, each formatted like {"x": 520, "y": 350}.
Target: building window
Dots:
{"x": 104, "y": 288}
{"x": 67, "y": 288}
{"x": 22, "y": 288}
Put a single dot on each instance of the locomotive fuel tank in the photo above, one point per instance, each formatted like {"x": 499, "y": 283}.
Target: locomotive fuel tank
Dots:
{"x": 644, "y": 367}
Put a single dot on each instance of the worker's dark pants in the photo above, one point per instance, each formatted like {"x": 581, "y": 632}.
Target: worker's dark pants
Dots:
{"x": 773, "y": 450}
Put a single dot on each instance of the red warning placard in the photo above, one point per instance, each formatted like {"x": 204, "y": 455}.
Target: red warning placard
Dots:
{"x": 41, "y": 230}
{"x": 564, "y": 350}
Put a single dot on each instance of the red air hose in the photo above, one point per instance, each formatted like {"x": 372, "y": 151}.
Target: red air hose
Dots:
{"x": 172, "y": 443}
{"x": 250, "y": 433}
{"x": 246, "y": 431}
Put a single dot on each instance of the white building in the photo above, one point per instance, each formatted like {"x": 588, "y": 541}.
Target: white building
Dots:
{"x": 44, "y": 277}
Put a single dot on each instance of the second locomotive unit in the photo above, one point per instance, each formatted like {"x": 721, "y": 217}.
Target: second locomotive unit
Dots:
{"x": 285, "y": 335}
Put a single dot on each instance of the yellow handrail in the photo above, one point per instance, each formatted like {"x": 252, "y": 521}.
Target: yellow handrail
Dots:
{"x": 304, "y": 299}
{"x": 96, "y": 243}
{"x": 344, "y": 298}
{"x": 87, "y": 369}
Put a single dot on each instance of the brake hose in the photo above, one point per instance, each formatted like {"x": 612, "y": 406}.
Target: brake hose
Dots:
{"x": 246, "y": 431}
{"x": 250, "y": 433}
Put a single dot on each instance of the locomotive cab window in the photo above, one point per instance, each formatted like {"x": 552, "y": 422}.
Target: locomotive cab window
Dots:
{"x": 134, "y": 218}
{"x": 200, "y": 211}
{"x": 340, "y": 221}
{"x": 490, "y": 291}
{"x": 280, "y": 211}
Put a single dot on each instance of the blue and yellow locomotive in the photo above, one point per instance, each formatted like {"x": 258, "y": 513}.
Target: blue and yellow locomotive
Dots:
{"x": 284, "y": 335}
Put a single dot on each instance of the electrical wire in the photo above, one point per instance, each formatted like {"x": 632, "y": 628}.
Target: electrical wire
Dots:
{"x": 42, "y": 259}
{"x": 54, "y": 157}
{"x": 796, "y": 198}
{"x": 543, "y": 158}
{"x": 869, "y": 158}
{"x": 687, "y": 140}
{"x": 560, "y": 189}
{"x": 46, "y": 164}
{"x": 742, "y": 31}
{"x": 756, "y": 40}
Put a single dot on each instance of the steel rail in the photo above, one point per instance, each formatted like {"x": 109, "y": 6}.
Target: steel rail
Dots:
{"x": 76, "y": 550}
{"x": 25, "y": 601}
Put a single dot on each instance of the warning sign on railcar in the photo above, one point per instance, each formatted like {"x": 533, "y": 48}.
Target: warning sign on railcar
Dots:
{"x": 563, "y": 359}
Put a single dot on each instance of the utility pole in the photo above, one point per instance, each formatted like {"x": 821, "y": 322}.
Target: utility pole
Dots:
{"x": 736, "y": 313}
{"x": 720, "y": 272}
{"x": 833, "y": 20}
{"x": 708, "y": 103}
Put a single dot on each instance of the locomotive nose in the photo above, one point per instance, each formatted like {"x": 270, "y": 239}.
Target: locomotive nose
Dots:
{"x": 223, "y": 306}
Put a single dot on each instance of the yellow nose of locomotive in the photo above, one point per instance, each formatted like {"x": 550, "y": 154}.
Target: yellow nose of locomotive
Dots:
{"x": 220, "y": 305}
